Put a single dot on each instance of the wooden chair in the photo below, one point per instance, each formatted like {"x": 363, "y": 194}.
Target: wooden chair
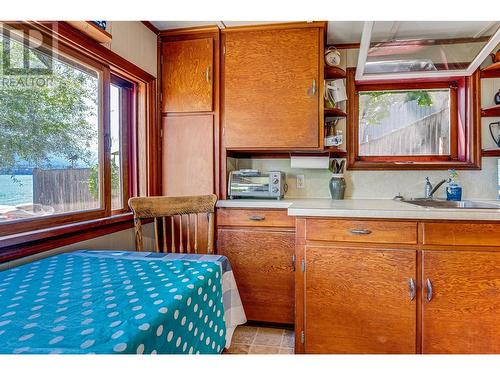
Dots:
{"x": 164, "y": 211}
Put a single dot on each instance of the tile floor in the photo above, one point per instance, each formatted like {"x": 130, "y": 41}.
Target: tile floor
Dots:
{"x": 262, "y": 340}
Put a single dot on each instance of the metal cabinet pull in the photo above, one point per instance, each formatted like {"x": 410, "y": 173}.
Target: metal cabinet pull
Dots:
{"x": 429, "y": 290}
{"x": 411, "y": 288}
{"x": 360, "y": 231}
{"x": 207, "y": 74}
{"x": 294, "y": 258}
{"x": 256, "y": 218}
{"x": 314, "y": 87}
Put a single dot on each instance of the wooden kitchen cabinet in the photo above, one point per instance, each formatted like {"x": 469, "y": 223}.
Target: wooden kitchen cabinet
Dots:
{"x": 462, "y": 315}
{"x": 271, "y": 88}
{"x": 359, "y": 300}
{"x": 187, "y": 70}
{"x": 188, "y": 155}
{"x": 262, "y": 262}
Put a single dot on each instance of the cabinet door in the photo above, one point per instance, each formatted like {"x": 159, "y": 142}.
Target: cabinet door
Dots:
{"x": 358, "y": 301}
{"x": 262, "y": 264}
{"x": 269, "y": 100}
{"x": 188, "y": 155}
{"x": 187, "y": 73}
{"x": 463, "y": 314}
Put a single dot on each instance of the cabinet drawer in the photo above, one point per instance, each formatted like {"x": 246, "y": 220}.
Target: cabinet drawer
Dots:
{"x": 361, "y": 231}
{"x": 254, "y": 218}
{"x": 477, "y": 234}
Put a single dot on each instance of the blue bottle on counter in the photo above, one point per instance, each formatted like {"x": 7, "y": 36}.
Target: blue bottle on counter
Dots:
{"x": 454, "y": 190}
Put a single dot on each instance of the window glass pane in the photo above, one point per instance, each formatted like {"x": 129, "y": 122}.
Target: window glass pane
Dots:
{"x": 49, "y": 133}
{"x": 404, "y": 123}
{"x": 116, "y": 136}
{"x": 426, "y": 46}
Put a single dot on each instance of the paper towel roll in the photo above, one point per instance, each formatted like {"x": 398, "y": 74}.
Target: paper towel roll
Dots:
{"x": 309, "y": 162}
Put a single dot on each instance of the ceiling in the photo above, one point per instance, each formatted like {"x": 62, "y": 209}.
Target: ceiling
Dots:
{"x": 340, "y": 32}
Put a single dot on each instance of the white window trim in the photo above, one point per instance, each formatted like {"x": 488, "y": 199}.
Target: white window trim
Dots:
{"x": 365, "y": 46}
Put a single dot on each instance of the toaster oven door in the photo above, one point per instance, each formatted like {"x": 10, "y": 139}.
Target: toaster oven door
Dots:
{"x": 242, "y": 185}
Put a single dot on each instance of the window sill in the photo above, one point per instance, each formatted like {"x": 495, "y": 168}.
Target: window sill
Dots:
{"x": 365, "y": 165}
{"x": 27, "y": 243}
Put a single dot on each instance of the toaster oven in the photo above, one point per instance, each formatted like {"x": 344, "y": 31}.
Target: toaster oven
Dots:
{"x": 251, "y": 183}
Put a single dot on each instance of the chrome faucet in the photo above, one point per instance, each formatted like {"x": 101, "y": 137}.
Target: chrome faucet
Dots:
{"x": 430, "y": 190}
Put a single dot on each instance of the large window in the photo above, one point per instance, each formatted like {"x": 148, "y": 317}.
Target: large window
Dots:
{"x": 64, "y": 125}
{"x": 412, "y": 124}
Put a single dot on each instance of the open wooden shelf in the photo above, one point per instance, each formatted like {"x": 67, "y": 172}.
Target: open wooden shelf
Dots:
{"x": 332, "y": 72}
{"x": 491, "y": 152}
{"x": 492, "y": 71}
{"x": 493, "y": 111}
{"x": 335, "y": 112}
{"x": 91, "y": 30}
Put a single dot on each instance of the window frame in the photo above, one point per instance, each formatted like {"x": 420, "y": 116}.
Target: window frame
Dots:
{"x": 73, "y": 45}
{"x": 464, "y": 135}
{"x": 128, "y": 98}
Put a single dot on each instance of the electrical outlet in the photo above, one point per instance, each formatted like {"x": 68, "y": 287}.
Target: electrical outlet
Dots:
{"x": 301, "y": 181}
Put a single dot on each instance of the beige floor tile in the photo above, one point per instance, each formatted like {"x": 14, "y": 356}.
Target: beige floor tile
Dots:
{"x": 268, "y": 336}
{"x": 244, "y": 335}
{"x": 238, "y": 349}
{"x": 288, "y": 339}
{"x": 263, "y": 349}
{"x": 286, "y": 351}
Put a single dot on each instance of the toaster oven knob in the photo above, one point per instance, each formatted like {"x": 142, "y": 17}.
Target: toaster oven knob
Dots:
{"x": 275, "y": 181}
{"x": 275, "y": 190}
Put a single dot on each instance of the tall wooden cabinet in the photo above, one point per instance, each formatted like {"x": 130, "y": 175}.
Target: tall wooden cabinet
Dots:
{"x": 272, "y": 85}
{"x": 189, "y": 64}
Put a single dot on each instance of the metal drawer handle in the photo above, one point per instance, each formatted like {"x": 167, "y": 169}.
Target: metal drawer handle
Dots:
{"x": 429, "y": 290}
{"x": 314, "y": 87}
{"x": 360, "y": 231}
{"x": 207, "y": 74}
{"x": 411, "y": 287}
{"x": 257, "y": 218}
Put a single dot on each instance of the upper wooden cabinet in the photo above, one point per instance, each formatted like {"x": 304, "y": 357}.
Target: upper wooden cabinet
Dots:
{"x": 271, "y": 88}
{"x": 187, "y": 75}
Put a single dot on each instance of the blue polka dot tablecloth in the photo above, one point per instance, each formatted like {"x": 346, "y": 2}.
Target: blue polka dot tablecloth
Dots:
{"x": 119, "y": 302}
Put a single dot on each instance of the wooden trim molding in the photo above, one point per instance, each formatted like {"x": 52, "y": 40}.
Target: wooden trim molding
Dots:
{"x": 35, "y": 241}
{"x": 276, "y": 26}
{"x": 76, "y": 39}
{"x": 151, "y": 27}
{"x": 189, "y": 32}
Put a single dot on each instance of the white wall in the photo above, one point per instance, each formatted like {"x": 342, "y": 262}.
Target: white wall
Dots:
{"x": 135, "y": 42}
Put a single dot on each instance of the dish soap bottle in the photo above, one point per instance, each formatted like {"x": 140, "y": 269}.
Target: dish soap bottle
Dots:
{"x": 454, "y": 190}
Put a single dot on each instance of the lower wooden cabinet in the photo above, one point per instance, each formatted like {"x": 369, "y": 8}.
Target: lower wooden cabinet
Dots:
{"x": 355, "y": 297}
{"x": 360, "y": 301}
{"x": 462, "y": 315}
{"x": 262, "y": 264}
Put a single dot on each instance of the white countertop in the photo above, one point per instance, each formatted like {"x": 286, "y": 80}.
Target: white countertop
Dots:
{"x": 365, "y": 208}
